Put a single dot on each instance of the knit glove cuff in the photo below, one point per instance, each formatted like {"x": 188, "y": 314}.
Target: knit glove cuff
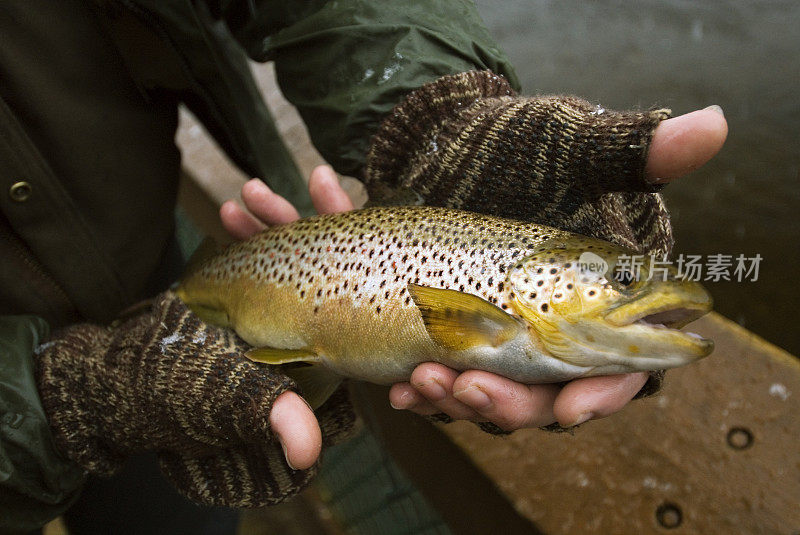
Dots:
{"x": 467, "y": 141}
{"x": 165, "y": 381}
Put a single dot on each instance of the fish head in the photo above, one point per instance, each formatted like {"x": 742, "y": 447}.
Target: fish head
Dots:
{"x": 592, "y": 303}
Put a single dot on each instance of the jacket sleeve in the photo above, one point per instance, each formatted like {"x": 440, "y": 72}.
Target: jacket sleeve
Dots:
{"x": 36, "y": 482}
{"x": 346, "y": 64}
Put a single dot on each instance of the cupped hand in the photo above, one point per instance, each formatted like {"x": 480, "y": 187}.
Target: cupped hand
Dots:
{"x": 680, "y": 145}
{"x": 291, "y": 419}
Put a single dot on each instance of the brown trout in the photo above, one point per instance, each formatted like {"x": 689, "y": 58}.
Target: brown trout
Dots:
{"x": 370, "y": 294}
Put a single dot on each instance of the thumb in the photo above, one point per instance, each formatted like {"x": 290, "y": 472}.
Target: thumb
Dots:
{"x": 295, "y": 425}
{"x": 682, "y": 144}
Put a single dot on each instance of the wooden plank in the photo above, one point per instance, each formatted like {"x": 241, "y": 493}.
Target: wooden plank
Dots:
{"x": 715, "y": 452}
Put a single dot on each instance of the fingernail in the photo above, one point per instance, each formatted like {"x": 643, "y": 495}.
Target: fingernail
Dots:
{"x": 286, "y": 455}
{"x": 403, "y": 402}
{"x": 260, "y": 184}
{"x": 716, "y": 108}
{"x": 586, "y": 416}
{"x": 432, "y": 390}
{"x": 474, "y": 397}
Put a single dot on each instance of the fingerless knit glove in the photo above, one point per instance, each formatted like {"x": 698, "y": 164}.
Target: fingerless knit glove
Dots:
{"x": 164, "y": 381}
{"x": 467, "y": 141}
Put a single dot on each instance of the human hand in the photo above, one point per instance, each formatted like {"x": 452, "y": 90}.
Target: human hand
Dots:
{"x": 291, "y": 419}
{"x": 679, "y": 146}
{"x": 469, "y": 141}
{"x": 163, "y": 381}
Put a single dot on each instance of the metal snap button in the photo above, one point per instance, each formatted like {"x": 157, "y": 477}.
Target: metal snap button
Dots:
{"x": 20, "y": 191}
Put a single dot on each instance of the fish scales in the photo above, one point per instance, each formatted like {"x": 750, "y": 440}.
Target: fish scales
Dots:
{"x": 370, "y": 256}
{"x": 341, "y": 287}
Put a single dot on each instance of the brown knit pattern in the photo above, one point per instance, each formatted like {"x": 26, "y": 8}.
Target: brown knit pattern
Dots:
{"x": 466, "y": 141}
{"x": 165, "y": 381}
{"x": 337, "y": 418}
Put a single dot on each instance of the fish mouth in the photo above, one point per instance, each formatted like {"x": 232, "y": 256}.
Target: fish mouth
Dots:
{"x": 663, "y": 315}
{"x": 669, "y": 323}
{"x": 670, "y": 318}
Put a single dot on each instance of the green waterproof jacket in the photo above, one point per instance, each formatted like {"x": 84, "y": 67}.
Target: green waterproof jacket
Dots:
{"x": 88, "y": 110}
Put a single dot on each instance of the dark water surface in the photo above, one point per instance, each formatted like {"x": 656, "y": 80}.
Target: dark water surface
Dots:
{"x": 742, "y": 55}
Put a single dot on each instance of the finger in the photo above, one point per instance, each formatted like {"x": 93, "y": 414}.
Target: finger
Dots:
{"x": 239, "y": 224}
{"x": 435, "y": 383}
{"x": 682, "y": 144}
{"x": 596, "y": 397}
{"x": 293, "y": 421}
{"x": 403, "y": 396}
{"x": 326, "y": 192}
{"x": 266, "y": 205}
{"x": 506, "y": 403}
